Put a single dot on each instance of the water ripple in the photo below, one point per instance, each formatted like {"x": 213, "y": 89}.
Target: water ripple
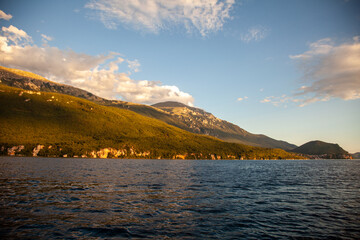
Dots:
{"x": 110, "y": 199}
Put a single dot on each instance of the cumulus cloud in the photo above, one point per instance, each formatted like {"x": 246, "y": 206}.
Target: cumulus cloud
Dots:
{"x": 16, "y": 35}
{"x": 151, "y": 92}
{"x": 255, "y": 34}
{"x": 5, "y": 16}
{"x": 331, "y": 71}
{"x": 205, "y": 16}
{"x": 97, "y": 74}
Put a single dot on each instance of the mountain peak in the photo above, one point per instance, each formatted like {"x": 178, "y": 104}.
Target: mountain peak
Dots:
{"x": 169, "y": 104}
{"x": 199, "y": 121}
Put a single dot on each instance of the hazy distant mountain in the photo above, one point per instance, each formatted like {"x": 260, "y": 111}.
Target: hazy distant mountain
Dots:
{"x": 177, "y": 114}
{"x": 200, "y": 121}
{"x": 322, "y": 150}
{"x": 356, "y": 155}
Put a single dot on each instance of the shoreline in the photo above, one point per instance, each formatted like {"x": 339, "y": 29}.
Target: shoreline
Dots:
{"x": 169, "y": 159}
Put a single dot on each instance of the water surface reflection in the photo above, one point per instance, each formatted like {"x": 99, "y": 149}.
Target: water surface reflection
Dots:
{"x": 84, "y": 198}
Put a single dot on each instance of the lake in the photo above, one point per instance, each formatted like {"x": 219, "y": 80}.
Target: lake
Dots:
{"x": 57, "y": 198}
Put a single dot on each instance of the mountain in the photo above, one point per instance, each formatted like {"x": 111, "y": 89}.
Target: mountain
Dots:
{"x": 30, "y": 81}
{"x": 39, "y": 123}
{"x": 356, "y": 155}
{"x": 319, "y": 149}
{"x": 200, "y": 121}
{"x": 176, "y": 114}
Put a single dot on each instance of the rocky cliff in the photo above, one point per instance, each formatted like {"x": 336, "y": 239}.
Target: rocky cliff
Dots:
{"x": 202, "y": 122}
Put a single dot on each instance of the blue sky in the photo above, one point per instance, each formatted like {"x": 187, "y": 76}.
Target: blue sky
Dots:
{"x": 287, "y": 69}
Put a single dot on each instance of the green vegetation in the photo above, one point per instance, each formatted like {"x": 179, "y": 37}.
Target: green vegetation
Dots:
{"x": 191, "y": 119}
{"x": 319, "y": 147}
{"x": 30, "y": 81}
{"x": 322, "y": 150}
{"x": 74, "y": 126}
{"x": 198, "y": 121}
{"x": 23, "y": 73}
{"x": 356, "y": 155}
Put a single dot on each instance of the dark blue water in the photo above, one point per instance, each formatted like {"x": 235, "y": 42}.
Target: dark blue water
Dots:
{"x": 42, "y": 198}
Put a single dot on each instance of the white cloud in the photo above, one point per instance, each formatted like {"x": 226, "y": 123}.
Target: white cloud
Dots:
{"x": 242, "y": 98}
{"x": 254, "y": 34}
{"x": 279, "y": 101}
{"x": 97, "y": 74}
{"x": 323, "y": 46}
{"x": 205, "y": 16}
{"x": 16, "y": 35}
{"x": 151, "y": 92}
{"x": 134, "y": 65}
{"x": 5, "y": 16}
{"x": 266, "y": 100}
{"x": 45, "y": 39}
{"x": 333, "y": 71}
{"x": 330, "y": 71}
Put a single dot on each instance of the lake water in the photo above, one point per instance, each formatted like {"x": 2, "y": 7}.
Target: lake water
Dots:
{"x": 49, "y": 198}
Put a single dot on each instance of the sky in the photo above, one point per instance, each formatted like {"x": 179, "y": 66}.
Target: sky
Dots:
{"x": 289, "y": 69}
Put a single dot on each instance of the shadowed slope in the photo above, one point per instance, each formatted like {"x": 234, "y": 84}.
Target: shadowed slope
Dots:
{"x": 319, "y": 147}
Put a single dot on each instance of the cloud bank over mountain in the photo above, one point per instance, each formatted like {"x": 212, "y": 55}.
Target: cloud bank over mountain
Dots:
{"x": 97, "y": 74}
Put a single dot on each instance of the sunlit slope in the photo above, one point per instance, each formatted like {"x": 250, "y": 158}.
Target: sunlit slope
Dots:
{"x": 200, "y": 121}
{"x": 30, "y": 81}
{"x": 20, "y": 73}
{"x": 76, "y": 126}
{"x": 192, "y": 119}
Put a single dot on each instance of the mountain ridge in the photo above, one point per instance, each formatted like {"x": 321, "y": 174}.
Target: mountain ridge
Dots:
{"x": 190, "y": 119}
{"x": 35, "y": 123}
{"x": 200, "y": 121}
{"x": 30, "y": 81}
{"x": 226, "y": 131}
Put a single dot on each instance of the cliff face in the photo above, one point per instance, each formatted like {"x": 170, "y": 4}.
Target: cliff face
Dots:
{"x": 127, "y": 152}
